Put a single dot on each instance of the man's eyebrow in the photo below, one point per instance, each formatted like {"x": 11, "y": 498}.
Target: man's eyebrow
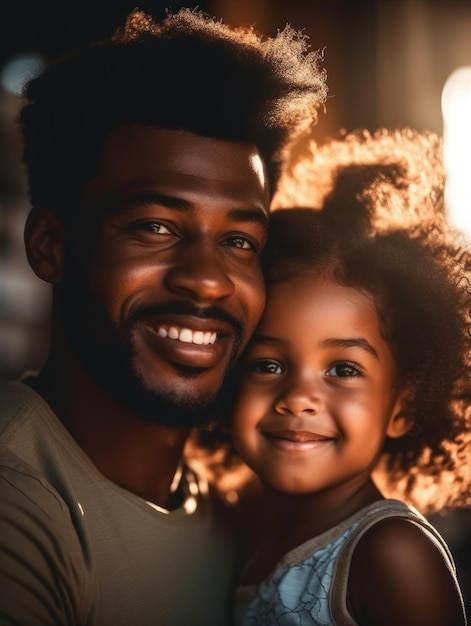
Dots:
{"x": 353, "y": 342}
{"x": 153, "y": 197}
{"x": 252, "y": 214}
{"x": 257, "y": 215}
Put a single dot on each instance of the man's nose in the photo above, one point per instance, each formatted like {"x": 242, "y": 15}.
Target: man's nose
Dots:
{"x": 200, "y": 273}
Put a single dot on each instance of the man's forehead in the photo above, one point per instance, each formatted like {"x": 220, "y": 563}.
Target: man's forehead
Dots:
{"x": 183, "y": 152}
{"x": 138, "y": 159}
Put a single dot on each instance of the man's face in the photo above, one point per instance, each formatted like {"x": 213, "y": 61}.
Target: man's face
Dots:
{"x": 163, "y": 287}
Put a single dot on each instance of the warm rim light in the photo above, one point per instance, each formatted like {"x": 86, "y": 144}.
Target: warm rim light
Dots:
{"x": 456, "y": 110}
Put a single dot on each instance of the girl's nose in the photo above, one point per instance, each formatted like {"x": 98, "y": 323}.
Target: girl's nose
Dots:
{"x": 299, "y": 399}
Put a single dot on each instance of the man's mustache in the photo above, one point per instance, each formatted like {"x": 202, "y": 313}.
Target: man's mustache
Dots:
{"x": 183, "y": 307}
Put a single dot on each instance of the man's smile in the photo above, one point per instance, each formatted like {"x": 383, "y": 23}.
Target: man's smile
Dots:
{"x": 187, "y": 335}
{"x": 190, "y": 341}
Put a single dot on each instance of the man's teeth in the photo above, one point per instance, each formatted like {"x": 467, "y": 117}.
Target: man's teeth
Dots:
{"x": 188, "y": 336}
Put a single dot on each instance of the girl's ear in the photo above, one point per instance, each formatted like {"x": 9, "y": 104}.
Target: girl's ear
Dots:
{"x": 399, "y": 423}
{"x": 44, "y": 243}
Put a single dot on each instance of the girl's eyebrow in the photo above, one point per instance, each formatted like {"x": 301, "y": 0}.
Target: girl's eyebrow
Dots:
{"x": 347, "y": 342}
{"x": 353, "y": 342}
{"x": 265, "y": 340}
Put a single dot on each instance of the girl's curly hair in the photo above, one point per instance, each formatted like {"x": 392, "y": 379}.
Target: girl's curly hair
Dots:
{"x": 418, "y": 269}
{"x": 420, "y": 283}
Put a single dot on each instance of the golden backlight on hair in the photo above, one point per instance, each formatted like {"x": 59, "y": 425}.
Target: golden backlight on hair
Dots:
{"x": 421, "y": 179}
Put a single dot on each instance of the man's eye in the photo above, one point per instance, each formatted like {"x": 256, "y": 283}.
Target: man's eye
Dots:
{"x": 152, "y": 227}
{"x": 344, "y": 370}
{"x": 157, "y": 227}
{"x": 267, "y": 367}
{"x": 239, "y": 242}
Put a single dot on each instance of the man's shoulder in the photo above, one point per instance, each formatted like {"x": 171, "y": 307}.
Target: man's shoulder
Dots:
{"x": 32, "y": 452}
{"x": 21, "y": 406}
{"x": 24, "y": 489}
{"x": 44, "y": 568}
{"x": 15, "y": 398}
{"x": 23, "y": 483}
{"x": 26, "y": 420}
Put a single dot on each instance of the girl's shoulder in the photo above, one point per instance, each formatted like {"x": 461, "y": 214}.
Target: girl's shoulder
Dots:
{"x": 401, "y": 571}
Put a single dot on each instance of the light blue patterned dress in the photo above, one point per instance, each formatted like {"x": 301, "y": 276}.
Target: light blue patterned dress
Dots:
{"x": 309, "y": 585}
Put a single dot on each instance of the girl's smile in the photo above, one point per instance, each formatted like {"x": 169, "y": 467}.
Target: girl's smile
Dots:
{"x": 318, "y": 395}
{"x": 295, "y": 440}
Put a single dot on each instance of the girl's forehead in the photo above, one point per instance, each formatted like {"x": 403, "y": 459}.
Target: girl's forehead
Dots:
{"x": 314, "y": 279}
{"x": 307, "y": 314}
{"x": 317, "y": 304}
{"x": 308, "y": 288}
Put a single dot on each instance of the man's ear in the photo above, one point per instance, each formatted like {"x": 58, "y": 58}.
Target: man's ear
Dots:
{"x": 44, "y": 243}
{"x": 399, "y": 423}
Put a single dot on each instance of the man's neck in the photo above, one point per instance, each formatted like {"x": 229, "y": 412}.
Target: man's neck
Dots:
{"x": 137, "y": 455}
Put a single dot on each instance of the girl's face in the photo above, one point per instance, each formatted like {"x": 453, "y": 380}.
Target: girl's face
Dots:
{"x": 317, "y": 395}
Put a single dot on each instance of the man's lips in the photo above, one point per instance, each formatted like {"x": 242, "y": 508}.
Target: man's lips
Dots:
{"x": 185, "y": 314}
{"x": 188, "y": 340}
{"x": 188, "y": 329}
{"x": 187, "y": 335}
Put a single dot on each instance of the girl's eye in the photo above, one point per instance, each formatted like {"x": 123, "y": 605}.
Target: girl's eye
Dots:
{"x": 344, "y": 370}
{"x": 267, "y": 367}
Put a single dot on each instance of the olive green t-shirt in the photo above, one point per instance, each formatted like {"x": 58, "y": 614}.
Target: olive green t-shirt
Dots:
{"x": 76, "y": 549}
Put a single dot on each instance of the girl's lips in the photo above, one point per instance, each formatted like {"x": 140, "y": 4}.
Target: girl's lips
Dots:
{"x": 296, "y": 435}
{"x": 296, "y": 440}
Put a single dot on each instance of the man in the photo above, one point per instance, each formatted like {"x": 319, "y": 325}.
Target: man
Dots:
{"x": 152, "y": 160}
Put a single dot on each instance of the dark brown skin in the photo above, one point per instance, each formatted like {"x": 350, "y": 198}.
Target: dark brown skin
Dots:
{"x": 135, "y": 455}
{"x": 397, "y": 557}
{"x": 278, "y": 522}
{"x": 317, "y": 399}
{"x": 172, "y": 218}
{"x": 397, "y": 575}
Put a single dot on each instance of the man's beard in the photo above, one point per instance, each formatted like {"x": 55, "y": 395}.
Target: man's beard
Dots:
{"x": 111, "y": 363}
{"x": 114, "y": 372}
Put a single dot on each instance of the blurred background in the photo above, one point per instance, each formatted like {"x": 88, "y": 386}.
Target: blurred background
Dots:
{"x": 390, "y": 63}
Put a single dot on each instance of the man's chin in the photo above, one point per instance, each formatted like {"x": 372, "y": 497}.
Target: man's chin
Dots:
{"x": 172, "y": 415}
{"x": 187, "y": 401}
{"x": 186, "y": 407}
{"x": 177, "y": 411}
{"x": 182, "y": 399}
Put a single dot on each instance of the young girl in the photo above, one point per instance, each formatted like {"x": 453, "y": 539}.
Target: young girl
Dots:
{"x": 359, "y": 368}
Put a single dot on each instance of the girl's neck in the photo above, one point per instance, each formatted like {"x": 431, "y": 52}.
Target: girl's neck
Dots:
{"x": 308, "y": 515}
{"x": 288, "y": 520}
